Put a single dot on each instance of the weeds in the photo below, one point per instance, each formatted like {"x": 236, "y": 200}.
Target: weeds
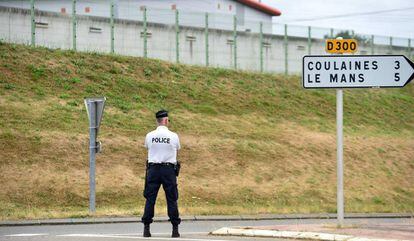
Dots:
{"x": 251, "y": 143}
{"x": 37, "y": 72}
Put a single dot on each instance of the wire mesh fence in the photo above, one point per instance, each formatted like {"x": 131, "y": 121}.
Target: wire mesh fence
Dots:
{"x": 198, "y": 38}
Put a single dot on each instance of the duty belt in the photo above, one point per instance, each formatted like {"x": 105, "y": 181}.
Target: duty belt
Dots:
{"x": 161, "y": 164}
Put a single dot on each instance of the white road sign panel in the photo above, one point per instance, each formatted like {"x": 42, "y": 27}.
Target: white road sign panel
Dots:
{"x": 356, "y": 71}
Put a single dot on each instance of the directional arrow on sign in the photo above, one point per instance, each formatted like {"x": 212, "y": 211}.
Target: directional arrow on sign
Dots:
{"x": 356, "y": 71}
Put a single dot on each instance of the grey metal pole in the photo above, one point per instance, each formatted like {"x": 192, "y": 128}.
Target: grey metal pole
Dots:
{"x": 92, "y": 152}
{"x": 206, "y": 35}
{"x": 74, "y": 25}
{"x": 339, "y": 156}
{"x": 309, "y": 40}
{"x": 286, "y": 50}
{"x": 112, "y": 28}
{"x": 332, "y": 32}
{"x": 177, "y": 37}
{"x": 145, "y": 33}
{"x": 235, "y": 41}
{"x": 409, "y": 48}
{"x": 261, "y": 46}
{"x": 33, "y": 23}
{"x": 391, "y": 45}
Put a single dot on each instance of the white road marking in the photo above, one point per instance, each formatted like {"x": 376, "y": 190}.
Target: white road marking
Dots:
{"x": 134, "y": 237}
{"x": 26, "y": 234}
{"x": 139, "y": 234}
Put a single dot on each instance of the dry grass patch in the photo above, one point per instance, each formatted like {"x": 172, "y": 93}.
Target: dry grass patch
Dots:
{"x": 251, "y": 143}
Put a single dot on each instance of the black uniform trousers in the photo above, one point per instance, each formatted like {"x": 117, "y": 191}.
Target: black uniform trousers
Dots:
{"x": 158, "y": 175}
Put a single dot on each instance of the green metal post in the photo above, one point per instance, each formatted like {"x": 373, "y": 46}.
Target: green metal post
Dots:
{"x": 177, "y": 35}
{"x": 74, "y": 25}
{"x": 286, "y": 50}
{"x": 409, "y": 48}
{"x": 372, "y": 45}
{"x": 112, "y": 28}
{"x": 235, "y": 41}
{"x": 391, "y": 45}
{"x": 145, "y": 34}
{"x": 33, "y": 23}
{"x": 261, "y": 46}
{"x": 332, "y": 32}
{"x": 206, "y": 33}
{"x": 309, "y": 40}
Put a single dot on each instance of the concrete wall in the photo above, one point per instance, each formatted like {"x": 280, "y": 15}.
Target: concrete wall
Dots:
{"x": 159, "y": 11}
{"x": 15, "y": 28}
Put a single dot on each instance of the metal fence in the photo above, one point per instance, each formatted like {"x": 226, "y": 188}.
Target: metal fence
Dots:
{"x": 218, "y": 40}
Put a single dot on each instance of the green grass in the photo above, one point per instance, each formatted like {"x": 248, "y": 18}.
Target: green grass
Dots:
{"x": 252, "y": 143}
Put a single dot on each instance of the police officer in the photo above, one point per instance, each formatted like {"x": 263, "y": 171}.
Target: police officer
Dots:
{"x": 162, "y": 145}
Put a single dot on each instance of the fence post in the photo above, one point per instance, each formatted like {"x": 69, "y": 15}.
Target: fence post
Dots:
{"x": 145, "y": 34}
{"x": 391, "y": 45}
{"x": 309, "y": 40}
{"x": 33, "y": 23}
{"x": 206, "y": 35}
{"x": 286, "y": 50}
{"x": 261, "y": 46}
{"x": 177, "y": 40}
{"x": 409, "y": 48}
{"x": 235, "y": 41}
{"x": 74, "y": 25}
{"x": 372, "y": 44}
{"x": 112, "y": 28}
{"x": 332, "y": 32}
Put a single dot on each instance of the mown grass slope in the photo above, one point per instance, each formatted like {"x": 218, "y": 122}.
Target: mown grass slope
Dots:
{"x": 252, "y": 143}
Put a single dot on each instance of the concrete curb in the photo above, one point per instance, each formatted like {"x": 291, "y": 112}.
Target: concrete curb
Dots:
{"x": 200, "y": 218}
{"x": 291, "y": 235}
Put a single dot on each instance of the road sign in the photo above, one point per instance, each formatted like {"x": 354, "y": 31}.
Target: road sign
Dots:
{"x": 99, "y": 103}
{"x": 341, "y": 46}
{"x": 356, "y": 71}
{"x": 94, "y": 108}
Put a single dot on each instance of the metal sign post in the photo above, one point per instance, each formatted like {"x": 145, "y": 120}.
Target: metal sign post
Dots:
{"x": 94, "y": 108}
{"x": 353, "y": 71}
{"x": 339, "y": 43}
{"x": 339, "y": 157}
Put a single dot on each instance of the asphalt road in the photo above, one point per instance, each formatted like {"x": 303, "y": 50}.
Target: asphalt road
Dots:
{"x": 190, "y": 230}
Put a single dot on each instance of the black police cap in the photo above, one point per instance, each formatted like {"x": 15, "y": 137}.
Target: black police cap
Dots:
{"x": 161, "y": 114}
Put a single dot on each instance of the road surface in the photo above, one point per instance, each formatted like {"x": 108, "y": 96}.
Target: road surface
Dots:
{"x": 190, "y": 230}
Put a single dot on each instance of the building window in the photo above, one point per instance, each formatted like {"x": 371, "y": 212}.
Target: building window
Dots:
{"x": 148, "y": 34}
{"x": 174, "y": 6}
{"x": 87, "y": 10}
{"x": 190, "y": 38}
{"x": 230, "y": 7}
{"x": 95, "y": 30}
{"x": 41, "y": 25}
{"x": 300, "y": 47}
{"x": 63, "y": 10}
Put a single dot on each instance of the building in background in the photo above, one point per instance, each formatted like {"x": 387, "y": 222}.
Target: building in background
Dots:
{"x": 249, "y": 13}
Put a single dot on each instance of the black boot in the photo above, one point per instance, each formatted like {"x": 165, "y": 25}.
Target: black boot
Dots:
{"x": 175, "y": 233}
{"x": 147, "y": 232}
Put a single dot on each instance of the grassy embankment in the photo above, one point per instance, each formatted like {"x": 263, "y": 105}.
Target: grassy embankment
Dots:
{"x": 252, "y": 143}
